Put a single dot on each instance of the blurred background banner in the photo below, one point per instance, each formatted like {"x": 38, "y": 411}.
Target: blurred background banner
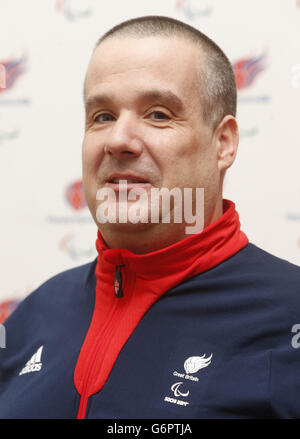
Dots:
{"x": 45, "y": 47}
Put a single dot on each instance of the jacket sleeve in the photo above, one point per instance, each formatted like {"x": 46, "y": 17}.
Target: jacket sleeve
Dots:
{"x": 285, "y": 377}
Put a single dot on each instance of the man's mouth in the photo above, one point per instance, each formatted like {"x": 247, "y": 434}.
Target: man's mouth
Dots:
{"x": 127, "y": 182}
{"x": 122, "y": 180}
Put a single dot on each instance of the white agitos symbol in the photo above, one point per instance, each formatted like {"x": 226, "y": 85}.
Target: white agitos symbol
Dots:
{"x": 193, "y": 364}
{"x": 177, "y": 392}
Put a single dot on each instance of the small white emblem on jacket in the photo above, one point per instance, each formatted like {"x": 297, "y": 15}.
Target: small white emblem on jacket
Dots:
{"x": 193, "y": 364}
{"x": 34, "y": 364}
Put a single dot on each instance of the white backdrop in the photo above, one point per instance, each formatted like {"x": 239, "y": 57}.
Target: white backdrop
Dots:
{"x": 46, "y": 45}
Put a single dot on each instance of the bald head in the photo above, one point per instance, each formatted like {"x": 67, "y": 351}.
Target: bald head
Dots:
{"x": 216, "y": 81}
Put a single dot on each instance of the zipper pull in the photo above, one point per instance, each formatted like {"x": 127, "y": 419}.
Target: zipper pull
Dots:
{"x": 118, "y": 282}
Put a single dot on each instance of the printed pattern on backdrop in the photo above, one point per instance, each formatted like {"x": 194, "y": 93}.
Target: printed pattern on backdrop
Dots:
{"x": 46, "y": 226}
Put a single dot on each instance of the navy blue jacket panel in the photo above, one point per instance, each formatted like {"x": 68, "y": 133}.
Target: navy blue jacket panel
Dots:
{"x": 218, "y": 345}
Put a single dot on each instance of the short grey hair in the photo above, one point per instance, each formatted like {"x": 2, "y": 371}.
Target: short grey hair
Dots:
{"x": 217, "y": 80}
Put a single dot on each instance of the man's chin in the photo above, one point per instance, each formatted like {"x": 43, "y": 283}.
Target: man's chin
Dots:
{"x": 121, "y": 227}
{"x": 125, "y": 215}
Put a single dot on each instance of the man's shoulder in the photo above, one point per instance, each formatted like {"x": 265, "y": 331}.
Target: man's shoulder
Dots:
{"x": 263, "y": 276}
{"x": 256, "y": 275}
{"x": 260, "y": 268}
{"x": 72, "y": 276}
{"x": 64, "y": 288}
{"x": 68, "y": 279}
{"x": 263, "y": 261}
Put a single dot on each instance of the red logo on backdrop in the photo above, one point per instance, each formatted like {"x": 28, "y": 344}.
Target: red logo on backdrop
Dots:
{"x": 6, "y": 308}
{"x": 10, "y": 71}
{"x": 75, "y": 195}
{"x": 247, "y": 69}
{"x": 2, "y": 76}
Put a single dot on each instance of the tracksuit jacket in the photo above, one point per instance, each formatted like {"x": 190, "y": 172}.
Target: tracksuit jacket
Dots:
{"x": 205, "y": 328}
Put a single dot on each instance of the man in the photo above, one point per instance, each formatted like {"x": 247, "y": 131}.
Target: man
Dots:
{"x": 163, "y": 324}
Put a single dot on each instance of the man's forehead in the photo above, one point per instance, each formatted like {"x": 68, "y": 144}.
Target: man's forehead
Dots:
{"x": 165, "y": 57}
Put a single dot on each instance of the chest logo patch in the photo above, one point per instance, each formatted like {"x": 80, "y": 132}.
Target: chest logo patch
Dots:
{"x": 191, "y": 365}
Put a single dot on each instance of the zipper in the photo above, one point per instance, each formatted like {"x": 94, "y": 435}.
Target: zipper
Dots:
{"x": 101, "y": 340}
{"x": 118, "y": 282}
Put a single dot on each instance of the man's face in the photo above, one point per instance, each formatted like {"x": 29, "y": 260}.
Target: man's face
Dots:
{"x": 144, "y": 120}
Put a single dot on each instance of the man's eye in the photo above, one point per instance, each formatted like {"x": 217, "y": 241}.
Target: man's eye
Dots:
{"x": 104, "y": 117}
{"x": 159, "y": 115}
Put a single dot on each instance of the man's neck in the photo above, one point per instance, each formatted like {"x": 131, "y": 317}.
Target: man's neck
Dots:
{"x": 147, "y": 238}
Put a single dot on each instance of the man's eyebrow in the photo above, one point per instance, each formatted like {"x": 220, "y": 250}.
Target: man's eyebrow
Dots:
{"x": 94, "y": 100}
{"x": 166, "y": 96}
{"x": 163, "y": 96}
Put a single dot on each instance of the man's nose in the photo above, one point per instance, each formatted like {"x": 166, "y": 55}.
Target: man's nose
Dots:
{"x": 123, "y": 139}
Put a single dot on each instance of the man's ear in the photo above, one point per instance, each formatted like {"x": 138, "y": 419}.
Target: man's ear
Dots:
{"x": 226, "y": 140}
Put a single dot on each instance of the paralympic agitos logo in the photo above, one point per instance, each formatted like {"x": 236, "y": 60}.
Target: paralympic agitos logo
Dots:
{"x": 195, "y": 8}
{"x": 74, "y": 9}
{"x": 78, "y": 245}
